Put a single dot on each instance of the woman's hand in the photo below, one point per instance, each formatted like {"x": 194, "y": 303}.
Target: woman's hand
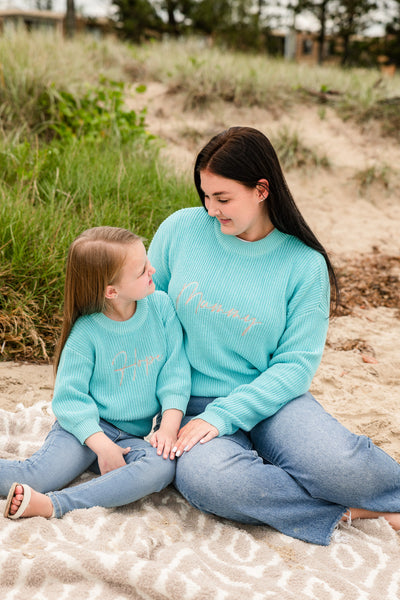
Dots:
{"x": 195, "y": 431}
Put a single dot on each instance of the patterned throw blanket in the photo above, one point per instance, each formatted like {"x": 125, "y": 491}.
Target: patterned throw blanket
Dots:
{"x": 162, "y": 548}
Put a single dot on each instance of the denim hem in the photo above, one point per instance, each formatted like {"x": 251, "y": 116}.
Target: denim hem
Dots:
{"x": 334, "y": 526}
{"x": 57, "y": 509}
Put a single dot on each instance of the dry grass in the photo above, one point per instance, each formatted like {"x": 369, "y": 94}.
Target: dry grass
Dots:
{"x": 25, "y": 332}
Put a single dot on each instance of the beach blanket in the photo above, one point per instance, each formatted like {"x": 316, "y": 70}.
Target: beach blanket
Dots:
{"x": 162, "y": 548}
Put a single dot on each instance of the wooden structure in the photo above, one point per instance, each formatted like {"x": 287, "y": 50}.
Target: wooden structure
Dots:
{"x": 303, "y": 47}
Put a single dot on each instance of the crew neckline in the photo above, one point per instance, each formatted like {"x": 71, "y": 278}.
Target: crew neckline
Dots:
{"x": 133, "y": 323}
{"x": 245, "y": 247}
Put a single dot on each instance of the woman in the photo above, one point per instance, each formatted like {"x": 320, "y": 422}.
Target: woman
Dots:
{"x": 251, "y": 286}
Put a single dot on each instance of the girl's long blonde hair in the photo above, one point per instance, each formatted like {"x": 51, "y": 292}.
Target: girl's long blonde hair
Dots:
{"x": 94, "y": 261}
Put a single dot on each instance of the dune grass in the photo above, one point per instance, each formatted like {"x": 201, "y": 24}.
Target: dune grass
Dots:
{"x": 33, "y": 65}
{"x": 66, "y": 188}
{"x": 207, "y": 74}
{"x": 71, "y": 157}
{"x": 37, "y": 64}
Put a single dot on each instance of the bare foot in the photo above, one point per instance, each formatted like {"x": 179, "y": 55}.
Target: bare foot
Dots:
{"x": 393, "y": 519}
{"x": 40, "y": 505}
{"x": 360, "y": 513}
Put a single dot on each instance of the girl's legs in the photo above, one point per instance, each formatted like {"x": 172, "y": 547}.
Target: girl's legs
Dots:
{"x": 58, "y": 462}
{"x": 307, "y": 456}
{"x": 144, "y": 473}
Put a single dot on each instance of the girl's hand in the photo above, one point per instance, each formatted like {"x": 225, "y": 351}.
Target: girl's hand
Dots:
{"x": 195, "y": 431}
{"x": 163, "y": 440}
{"x": 165, "y": 437}
{"x": 110, "y": 456}
{"x": 112, "y": 459}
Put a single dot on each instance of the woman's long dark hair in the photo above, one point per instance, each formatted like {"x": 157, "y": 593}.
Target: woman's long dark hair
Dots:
{"x": 246, "y": 155}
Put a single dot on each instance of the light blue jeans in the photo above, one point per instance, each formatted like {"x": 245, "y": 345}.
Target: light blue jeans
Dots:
{"x": 297, "y": 471}
{"x": 62, "y": 458}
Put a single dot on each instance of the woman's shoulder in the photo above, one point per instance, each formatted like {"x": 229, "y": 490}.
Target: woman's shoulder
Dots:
{"x": 301, "y": 252}
{"x": 185, "y": 217}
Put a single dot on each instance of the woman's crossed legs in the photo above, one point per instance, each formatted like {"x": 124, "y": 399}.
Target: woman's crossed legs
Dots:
{"x": 298, "y": 471}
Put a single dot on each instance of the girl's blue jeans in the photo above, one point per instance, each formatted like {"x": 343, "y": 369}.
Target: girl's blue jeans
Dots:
{"x": 298, "y": 471}
{"x": 62, "y": 458}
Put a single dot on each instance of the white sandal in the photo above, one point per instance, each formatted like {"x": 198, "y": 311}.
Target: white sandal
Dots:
{"x": 25, "y": 501}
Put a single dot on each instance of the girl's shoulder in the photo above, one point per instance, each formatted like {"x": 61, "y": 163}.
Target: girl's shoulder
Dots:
{"x": 82, "y": 335}
{"x": 83, "y": 324}
{"x": 161, "y": 304}
{"x": 84, "y": 328}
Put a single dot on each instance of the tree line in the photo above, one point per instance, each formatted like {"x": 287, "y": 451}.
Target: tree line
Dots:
{"x": 250, "y": 24}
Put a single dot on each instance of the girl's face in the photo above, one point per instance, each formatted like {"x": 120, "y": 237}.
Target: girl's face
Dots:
{"x": 135, "y": 279}
{"x": 240, "y": 210}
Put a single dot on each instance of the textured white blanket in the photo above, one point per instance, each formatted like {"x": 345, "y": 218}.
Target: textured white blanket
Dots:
{"x": 162, "y": 548}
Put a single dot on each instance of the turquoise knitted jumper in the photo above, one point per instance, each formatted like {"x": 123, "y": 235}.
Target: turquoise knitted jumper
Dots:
{"x": 124, "y": 372}
{"x": 254, "y": 314}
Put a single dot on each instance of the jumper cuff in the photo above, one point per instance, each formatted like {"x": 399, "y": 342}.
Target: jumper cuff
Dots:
{"x": 176, "y": 402}
{"x": 215, "y": 420}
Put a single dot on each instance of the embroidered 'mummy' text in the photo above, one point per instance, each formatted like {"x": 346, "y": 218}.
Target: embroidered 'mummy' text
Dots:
{"x": 232, "y": 313}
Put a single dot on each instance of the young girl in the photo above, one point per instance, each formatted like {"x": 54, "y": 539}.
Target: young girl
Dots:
{"x": 120, "y": 361}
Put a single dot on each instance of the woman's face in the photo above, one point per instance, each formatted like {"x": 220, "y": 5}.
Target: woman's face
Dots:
{"x": 240, "y": 210}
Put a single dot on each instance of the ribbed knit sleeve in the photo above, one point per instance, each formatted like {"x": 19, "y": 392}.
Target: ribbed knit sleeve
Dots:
{"x": 73, "y": 405}
{"x": 159, "y": 251}
{"x": 291, "y": 367}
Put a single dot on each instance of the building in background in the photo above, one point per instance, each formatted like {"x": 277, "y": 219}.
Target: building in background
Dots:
{"x": 53, "y": 21}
